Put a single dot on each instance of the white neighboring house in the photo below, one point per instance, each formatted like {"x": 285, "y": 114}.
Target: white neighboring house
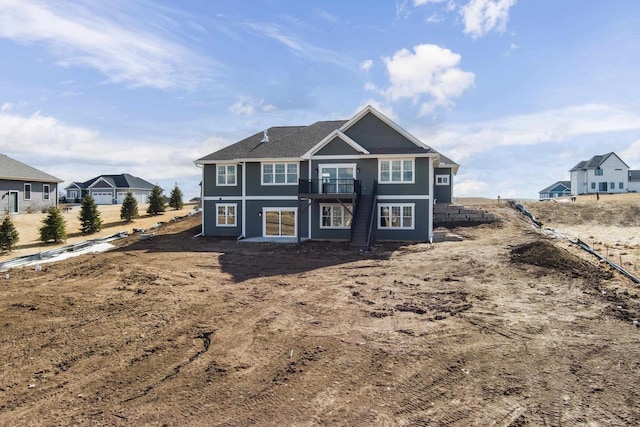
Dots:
{"x": 634, "y": 181}
{"x": 605, "y": 173}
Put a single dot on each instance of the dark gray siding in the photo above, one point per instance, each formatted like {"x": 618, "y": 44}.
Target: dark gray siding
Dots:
{"x": 442, "y": 193}
{"x": 254, "y": 217}
{"x": 255, "y": 187}
{"x": 421, "y": 222}
{"x": 209, "y": 220}
{"x": 376, "y": 136}
{"x": 337, "y": 147}
{"x": 210, "y": 180}
{"x": 326, "y": 233}
{"x": 420, "y": 187}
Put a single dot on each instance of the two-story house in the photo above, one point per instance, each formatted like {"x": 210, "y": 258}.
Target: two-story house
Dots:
{"x": 606, "y": 173}
{"x": 359, "y": 180}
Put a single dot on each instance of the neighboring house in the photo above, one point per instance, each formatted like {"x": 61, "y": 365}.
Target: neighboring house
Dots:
{"x": 600, "y": 174}
{"x": 110, "y": 189}
{"x": 634, "y": 181}
{"x": 359, "y": 179}
{"x": 24, "y": 188}
{"x": 558, "y": 189}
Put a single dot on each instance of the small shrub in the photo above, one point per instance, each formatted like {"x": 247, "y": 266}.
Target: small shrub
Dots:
{"x": 8, "y": 235}
{"x": 53, "y": 227}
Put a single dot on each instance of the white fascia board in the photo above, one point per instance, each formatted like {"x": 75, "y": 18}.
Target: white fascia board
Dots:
{"x": 98, "y": 180}
{"x": 336, "y": 133}
{"x": 387, "y": 120}
{"x": 372, "y": 156}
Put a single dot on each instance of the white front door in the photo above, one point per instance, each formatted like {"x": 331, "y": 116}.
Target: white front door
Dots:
{"x": 280, "y": 222}
{"x": 337, "y": 178}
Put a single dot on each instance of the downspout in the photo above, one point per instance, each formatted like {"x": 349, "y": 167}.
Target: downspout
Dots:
{"x": 430, "y": 200}
{"x": 310, "y": 202}
{"x": 244, "y": 199}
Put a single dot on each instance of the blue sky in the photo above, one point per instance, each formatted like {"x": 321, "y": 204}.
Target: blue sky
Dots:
{"x": 516, "y": 92}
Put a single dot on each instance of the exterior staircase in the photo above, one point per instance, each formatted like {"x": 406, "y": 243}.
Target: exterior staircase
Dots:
{"x": 360, "y": 229}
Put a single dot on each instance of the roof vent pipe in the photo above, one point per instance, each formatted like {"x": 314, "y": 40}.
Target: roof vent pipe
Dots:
{"x": 265, "y": 138}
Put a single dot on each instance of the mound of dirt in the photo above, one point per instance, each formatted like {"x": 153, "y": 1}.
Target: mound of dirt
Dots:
{"x": 544, "y": 254}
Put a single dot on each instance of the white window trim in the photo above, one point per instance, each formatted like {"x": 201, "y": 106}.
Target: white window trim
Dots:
{"x": 46, "y": 194}
{"x": 344, "y": 211}
{"x": 262, "y": 164}
{"x": 401, "y": 160}
{"x": 392, "y": 205}
{"x": 444, "y": 178}
{"x": 226, "y": 214}
{"x": 24, "y": 194}
{"x": 226, "y": 175}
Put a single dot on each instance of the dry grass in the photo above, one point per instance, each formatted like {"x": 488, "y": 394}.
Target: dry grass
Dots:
{"x": 28, "y": 225}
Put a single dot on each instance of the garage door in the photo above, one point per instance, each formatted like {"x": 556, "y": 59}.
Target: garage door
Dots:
{"x": 102, "y": 198}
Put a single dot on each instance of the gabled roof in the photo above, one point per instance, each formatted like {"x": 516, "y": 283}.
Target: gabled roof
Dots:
{"x": 298, "y": 142}
{"x": 595, "y": 162}
{"x": 565, "y": 184}
{"x": 634, "y": 175}
{"x": 124, "y": 180}
{"x": 13, "y": 170}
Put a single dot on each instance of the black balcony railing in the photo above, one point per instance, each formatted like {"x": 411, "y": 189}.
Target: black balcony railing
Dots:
{"x": 328, "y": 186}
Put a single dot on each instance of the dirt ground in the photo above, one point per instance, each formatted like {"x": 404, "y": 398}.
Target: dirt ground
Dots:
{"x": 507, "y": 327}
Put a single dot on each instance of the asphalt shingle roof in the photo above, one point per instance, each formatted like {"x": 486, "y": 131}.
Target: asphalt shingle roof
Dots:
{"x": 593, "y": 163}
{"x": 294, "y": 141}
{"x": 567, "y": 184}
{"x": 124, "y": 180}
{"x": 14, "y": 170}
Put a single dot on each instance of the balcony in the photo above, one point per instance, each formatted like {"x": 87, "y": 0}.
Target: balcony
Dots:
{"x": 328, "y": 188}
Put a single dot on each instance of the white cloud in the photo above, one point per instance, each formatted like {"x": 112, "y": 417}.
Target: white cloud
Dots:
{"x": 422, "y": 2}
{"x": 483, "y": 16}
{"x": 632, "y": 154}
{"x": 469, "y": 187}
{"x": 431, "y": 72}
{"x": 246, "y": 106}
{"x": 78, "y": 37}
{"x": 7, "y": 106}
{"x": 462, "y": 142}
{"x": 435, "y": 19}
{"x": 512, "y": 47}
{"x": 366, "y": 65}
{"x": 77, "y": 153}
{"x": 298, "y": 46}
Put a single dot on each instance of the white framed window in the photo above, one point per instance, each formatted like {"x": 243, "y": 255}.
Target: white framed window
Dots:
{"x": 442, "y": 179}
{"x": 398, "y": 216}
{"x": 45, "y": 192}
{"x": 396, "y": 171}
{"x": 599, "y": 172}
{"x": 334, "y": 216}
{"x": 226, "y": 175}
{"x": 621, "y": 185}
{"x": 226, "y": 214}
{"x": 279, "y": 173}
{"x": 593, "y": 185}
{"x": 27, "y": 191}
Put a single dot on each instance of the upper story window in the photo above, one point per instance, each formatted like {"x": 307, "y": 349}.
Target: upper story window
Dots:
{"x": 599, "y": 172}
{"x": 442, "y": 179}
{"x": 45, "y": 191}
{"x": 226, "y": 174}
{"x": 27, "y": 191}
{"x": 396, "y": 171}
{"x": 279, "y": 173}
